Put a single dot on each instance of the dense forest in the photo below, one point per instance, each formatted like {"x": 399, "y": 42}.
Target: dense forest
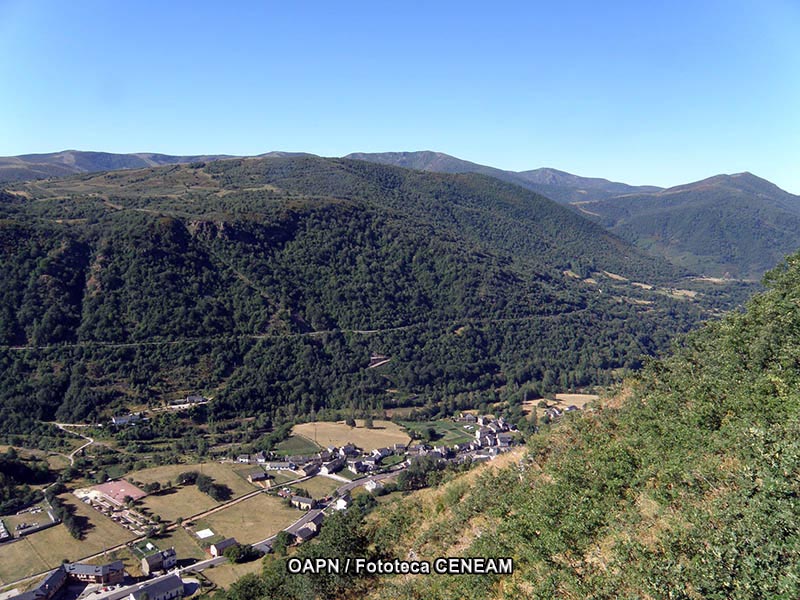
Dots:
{"x": 267, "y": 284}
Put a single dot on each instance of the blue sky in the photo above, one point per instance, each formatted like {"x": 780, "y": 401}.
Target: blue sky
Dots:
{"x": 642, "y": 92}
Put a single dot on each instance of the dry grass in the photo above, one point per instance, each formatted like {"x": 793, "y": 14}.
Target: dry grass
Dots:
{"x": 384, "y": 433}
{"x": 254, "y": 519}
{"x": 182, "y": 501}
{"x": 319, "y": 486}
{"x": 226, "y": 574}
{"x": 46, "y": 549}
{"x": 220, "y": 473}
{"x": 185, "y": 544}
{"x": 18, "y": 560}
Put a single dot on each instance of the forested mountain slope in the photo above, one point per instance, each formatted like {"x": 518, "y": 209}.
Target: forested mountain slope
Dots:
{"x": 684, "y": 485}
{"x": 728, "y": 225}
{"x": 267, "y": 283}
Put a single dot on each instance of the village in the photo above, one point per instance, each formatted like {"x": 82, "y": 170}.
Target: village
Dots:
{"x": 347, "y": 467}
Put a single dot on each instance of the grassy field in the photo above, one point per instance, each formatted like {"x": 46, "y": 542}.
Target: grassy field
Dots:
{"x": 182, "y": 501}
{"x": 448, "y": 432}
{"x": 46, "y": 549}
{"x": 319, "y": 486}
{"x": 297, "y": 445}
{"x": 281, "y": 477}
{"x": 226, "y": 574}
{"x": 384, "y": 433}
{"x": 254, "y": 519}
{"x": 220, "y": 473}
{"x": 18, "y": 559}
{"x": 184, "y": 542}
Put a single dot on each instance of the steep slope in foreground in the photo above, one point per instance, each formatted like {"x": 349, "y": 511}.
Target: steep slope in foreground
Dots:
{"x": 727, "y": 225}
{"x": 267, "y": 284}
{"x": 685, "y": 488}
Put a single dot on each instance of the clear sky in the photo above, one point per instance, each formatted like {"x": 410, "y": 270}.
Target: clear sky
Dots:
{"x": 657, "y": 92}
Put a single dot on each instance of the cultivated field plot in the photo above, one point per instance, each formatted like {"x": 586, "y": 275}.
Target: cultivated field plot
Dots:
{"x": 448, "y": 432}
{"x": 281, "y": 477}
{"x": 225, "y": 574}
{"x": 254, "y": 519}
{"x": 319, "y": 486}
{"x": 297, "y": 445}
{"x": 180, "y": 501}
{"x": 384, "y": 433}
{"x": 46, "y": 549}
{"x": 220, "y": 473}
{"x": 18, "y": 560}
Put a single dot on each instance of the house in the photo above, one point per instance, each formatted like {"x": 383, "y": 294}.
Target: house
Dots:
{"x": 243, "y": 458}
{"x": 470, "y": 418}
{"x": 160, "y": 589}
{"x": 304, "y": 534}
{"x": 163, "y": 560}
{"x": 371, "y": 463}
{"x": 257, "y": 475}
{"x": 280, "y": 466}
{"x": 483, "y": 420}
{"x": 504, "y": 440}
{"x": 303, "y": 503}
{"x": 309, "y": 469}
{"x": 332, "y": 466}
{"x": 48, "y": 588}
{"x": 399, "y": 448}
{"x": 315, "y": 522}
{"x": 381, "y": 452}
{"x": 259, "y": 457}
{"x": 218, "y": 548}
{"x": 109, "y": 573}
{"x": 348, "y": 450}
{"x": 482, "y": 432}
{"x": 126, "y": 419}
{"x": 356, "y": 466}
{"x": 342, "y": 503}
{"x": 373, "y": 485}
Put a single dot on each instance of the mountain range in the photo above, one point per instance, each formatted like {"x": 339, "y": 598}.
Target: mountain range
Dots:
{"x": 733, "y": 226}
{"x": 232, "y": 276}
{"x": 727, "y": 226}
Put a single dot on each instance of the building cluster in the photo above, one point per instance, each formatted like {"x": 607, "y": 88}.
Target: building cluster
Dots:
{"x": 108, "y": 574}
{"x": 110, "y": 499}
{"x": 492, "y": 436}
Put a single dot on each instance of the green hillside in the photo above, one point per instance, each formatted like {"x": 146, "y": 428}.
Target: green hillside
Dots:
{"x": 267, "y": 284}
{"x": 683, "y": 485}
{"x": 728, "y": 225}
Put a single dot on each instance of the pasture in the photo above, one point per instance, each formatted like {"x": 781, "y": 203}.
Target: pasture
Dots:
{"x": 383, "y": 433}
{"x": 253, "y": 520}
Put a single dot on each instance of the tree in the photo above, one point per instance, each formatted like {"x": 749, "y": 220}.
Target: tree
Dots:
{"x": 283, "y": 540}
{"x": 368, "y": 422}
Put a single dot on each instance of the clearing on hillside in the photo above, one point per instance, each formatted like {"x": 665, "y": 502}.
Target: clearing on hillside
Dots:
{"x": 383, "y": 433}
